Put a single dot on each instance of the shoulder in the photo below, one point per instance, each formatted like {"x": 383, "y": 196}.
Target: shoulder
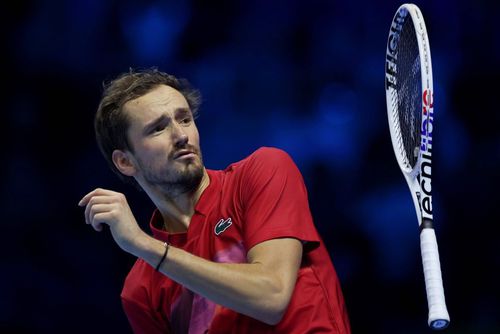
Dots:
{"x": 259, "y": 168}
{"x": 264, "y": 166}
{"x": 269, "y": 153}
{"x": 264, "y": 158}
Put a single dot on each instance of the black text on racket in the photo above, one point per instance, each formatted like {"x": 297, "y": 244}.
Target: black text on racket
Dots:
{"x": 410, "y": 110}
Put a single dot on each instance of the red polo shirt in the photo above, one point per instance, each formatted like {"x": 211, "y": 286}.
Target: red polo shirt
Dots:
{"x": 259, "y": 198}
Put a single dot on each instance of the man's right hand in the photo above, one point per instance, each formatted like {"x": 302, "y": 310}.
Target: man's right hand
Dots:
{"x": 111, "y": 208}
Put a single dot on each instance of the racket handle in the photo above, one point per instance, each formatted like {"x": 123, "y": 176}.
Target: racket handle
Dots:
{"x": 438, "y": 315}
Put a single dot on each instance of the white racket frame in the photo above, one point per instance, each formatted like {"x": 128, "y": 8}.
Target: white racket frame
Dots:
{"x": 419, "y": 181}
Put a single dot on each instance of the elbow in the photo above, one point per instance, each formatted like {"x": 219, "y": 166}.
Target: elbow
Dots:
{"x": 275, "y": 312}
{"x": 273, "y": 318}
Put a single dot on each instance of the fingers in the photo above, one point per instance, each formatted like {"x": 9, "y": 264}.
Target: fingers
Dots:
{"x": 106, "y": 207}
{"x": 96, "y": 192}
{"x": 98, "y": 220}
{"x": 95, "y": 201}
{"x": 93, "y": 209}
{"x": 103, "y": 206}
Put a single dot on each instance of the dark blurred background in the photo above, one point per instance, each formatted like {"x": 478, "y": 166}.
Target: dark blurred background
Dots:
{"x": 304, "y": 76}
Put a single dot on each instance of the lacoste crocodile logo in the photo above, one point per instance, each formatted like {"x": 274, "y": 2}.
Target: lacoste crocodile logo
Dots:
{"x": 222, "y": 225}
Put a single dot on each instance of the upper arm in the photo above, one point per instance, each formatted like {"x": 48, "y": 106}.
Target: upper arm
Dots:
{"x": 274, "y": 200}
{"x": 280, "y": 258}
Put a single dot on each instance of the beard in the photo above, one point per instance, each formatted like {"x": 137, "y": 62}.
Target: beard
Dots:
{"x": 176, "y": 177}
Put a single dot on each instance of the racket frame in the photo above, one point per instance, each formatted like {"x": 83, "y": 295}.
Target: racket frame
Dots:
{"x": 418, "y": 177}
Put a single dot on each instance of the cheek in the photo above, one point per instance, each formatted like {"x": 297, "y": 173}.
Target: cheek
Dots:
{"x": 196, "y": 140}
{"x": 195, "y": 137}
{"x": 151, "y": 150}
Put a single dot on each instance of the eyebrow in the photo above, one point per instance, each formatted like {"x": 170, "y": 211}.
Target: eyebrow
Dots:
{"x": 150, "y": 126}
{"x": 179, "y": 112}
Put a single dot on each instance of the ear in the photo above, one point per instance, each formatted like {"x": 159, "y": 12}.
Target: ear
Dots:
{"x": 124, "y": 162}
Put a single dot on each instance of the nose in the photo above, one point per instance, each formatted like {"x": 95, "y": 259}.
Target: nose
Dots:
{"x": 179, "y": 136}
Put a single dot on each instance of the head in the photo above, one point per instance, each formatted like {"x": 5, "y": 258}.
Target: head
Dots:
{"x": 145, "y": 128}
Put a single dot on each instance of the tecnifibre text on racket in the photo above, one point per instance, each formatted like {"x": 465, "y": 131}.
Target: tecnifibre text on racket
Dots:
{"x": 409, "y": 95}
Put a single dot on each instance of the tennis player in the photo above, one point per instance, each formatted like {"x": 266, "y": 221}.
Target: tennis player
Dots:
{"x": 231, "y": 251}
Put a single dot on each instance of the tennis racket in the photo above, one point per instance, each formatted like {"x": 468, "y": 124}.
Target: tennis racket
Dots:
{"x": 409, "y": 96}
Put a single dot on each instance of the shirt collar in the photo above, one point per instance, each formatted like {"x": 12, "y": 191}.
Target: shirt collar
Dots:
{"x": 205, "y": 203}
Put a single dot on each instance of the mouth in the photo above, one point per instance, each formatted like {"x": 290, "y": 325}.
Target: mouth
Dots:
{"x": 184, "y": 154}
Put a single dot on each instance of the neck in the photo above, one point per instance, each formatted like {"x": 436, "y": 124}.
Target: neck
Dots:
{"x": 178, "y": 210}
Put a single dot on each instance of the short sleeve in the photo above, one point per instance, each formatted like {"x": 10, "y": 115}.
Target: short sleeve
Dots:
{"x": 274, "y": 199}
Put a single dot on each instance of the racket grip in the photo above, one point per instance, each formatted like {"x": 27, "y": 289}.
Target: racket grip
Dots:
{"x": 438, "y": 315}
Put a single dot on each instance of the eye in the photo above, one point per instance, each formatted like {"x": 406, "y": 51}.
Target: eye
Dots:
{"x": 186, "y": 120}
{"x": 159, "y": 127}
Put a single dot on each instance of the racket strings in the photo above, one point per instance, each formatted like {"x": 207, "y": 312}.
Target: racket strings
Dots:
{"x": 408, "y": 94}
{"x": 397, "y": 128}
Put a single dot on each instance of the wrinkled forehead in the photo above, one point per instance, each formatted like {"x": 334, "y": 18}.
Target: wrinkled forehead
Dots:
{"x": 162, "y": 100}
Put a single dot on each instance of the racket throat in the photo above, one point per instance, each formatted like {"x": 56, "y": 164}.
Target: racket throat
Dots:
{"x": 426, "y": 223}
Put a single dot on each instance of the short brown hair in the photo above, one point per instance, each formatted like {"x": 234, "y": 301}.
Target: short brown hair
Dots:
{"x": 111, "y": 123}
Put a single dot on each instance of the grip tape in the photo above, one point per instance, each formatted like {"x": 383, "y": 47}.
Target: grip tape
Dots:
{"x": 438, "y": 315}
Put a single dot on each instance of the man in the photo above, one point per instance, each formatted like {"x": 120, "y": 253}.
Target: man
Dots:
{"x": 233, "y": 251}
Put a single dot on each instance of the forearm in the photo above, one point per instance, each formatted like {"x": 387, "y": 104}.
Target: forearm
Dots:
{"x": 261, "y": 288}
{"x": 249, "y": 288}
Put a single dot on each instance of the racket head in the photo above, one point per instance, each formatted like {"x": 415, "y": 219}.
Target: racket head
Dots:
{"x": 409, "y": 87}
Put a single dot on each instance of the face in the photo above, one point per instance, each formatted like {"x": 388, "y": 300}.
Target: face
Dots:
{"x": 165, "y": 141}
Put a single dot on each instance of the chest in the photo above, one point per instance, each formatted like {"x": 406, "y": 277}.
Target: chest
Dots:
{"x": 218, "y": 234}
